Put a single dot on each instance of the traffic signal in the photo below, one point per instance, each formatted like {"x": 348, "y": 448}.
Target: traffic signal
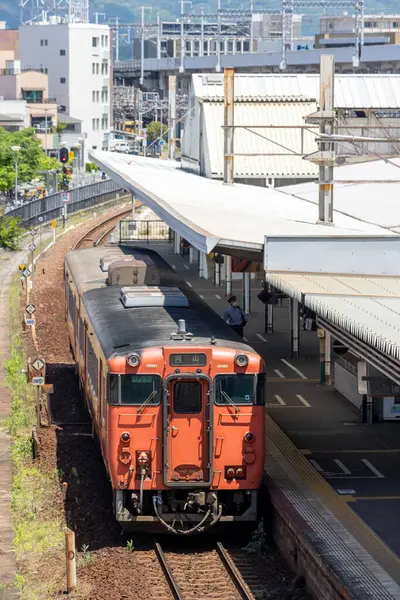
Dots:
{"x": 64, "y": 155}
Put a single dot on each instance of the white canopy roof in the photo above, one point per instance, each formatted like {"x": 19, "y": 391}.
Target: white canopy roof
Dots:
{"x": 210, "y": 214}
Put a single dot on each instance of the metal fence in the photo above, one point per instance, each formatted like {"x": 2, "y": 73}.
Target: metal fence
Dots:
{"x": 144, "y": 231}
{"x": 50, "y": 207}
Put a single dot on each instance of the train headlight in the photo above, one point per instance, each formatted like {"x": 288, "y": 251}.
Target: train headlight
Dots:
{"x": 249, "y": 437}
{"x": 133, "y": 359}
{"x": 240, "y": 473}
{"x": 241, "y": 360}
{"x": 125, "y": 437}
{"x": 230, "y": 473}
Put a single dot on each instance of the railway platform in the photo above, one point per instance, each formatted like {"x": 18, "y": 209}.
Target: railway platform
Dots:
{"x": 336, "y": 477}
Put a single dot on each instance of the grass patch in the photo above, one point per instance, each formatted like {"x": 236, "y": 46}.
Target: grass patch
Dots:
{"x": 38, "y": 526}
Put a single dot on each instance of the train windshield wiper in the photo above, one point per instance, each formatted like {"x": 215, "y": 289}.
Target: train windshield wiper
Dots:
{"x": 147, "y": 401}
{"x": 229, "y": 399}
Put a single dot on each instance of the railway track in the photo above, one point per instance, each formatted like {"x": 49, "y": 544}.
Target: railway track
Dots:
{"x": 97, "y": 234}
{"x": 200, "y": 575}
{"x": 89, "y": 239}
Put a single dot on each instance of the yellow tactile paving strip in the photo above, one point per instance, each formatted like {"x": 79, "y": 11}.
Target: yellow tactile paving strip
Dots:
{"x": 337, "y": 505}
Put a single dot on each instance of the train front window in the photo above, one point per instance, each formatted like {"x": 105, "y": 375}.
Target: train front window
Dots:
{"x": 235, "y": 389}
{"x": 136, "y": 390}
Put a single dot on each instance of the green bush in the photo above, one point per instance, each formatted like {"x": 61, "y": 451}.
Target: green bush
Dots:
{"x": 10, "y": 233}
{"x": 90, "y": 167}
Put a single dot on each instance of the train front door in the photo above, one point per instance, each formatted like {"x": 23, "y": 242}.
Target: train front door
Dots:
{"x": 187, "y": 432}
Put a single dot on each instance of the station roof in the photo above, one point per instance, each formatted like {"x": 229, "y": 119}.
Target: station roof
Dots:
{"x": 351, "y": 91}
{"x": 211, "y": 215}
{"x": 366, "y": 307}
{"x": 367, "y": 191}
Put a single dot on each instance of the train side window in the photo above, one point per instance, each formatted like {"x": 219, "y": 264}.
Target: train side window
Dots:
{"x": 103, "y": 400}
{"x": 113, "y": 389}
{"x": 71, "y": 305}
{"x": 82, "y": 337}
{"x": 92, "y": 367}
{"x": 238, "y": 388}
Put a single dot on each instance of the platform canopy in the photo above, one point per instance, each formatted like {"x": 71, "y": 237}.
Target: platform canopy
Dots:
{"x": 210, "y": 215}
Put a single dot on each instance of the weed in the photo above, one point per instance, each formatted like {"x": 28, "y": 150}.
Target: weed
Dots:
{"x": 258, "y": 542}
{"x": 130, "y": 546}
{"x": 74, "y": 473}
{"x": 86, "y": 557}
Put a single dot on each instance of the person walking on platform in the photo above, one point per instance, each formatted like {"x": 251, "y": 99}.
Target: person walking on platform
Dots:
{"x": 235, "y": 316}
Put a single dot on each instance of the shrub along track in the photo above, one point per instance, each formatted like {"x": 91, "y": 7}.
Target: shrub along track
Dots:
{"x": 107, "y": 570}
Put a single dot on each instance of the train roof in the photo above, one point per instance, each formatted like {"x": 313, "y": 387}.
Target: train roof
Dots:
{"x": 122, "y": 330}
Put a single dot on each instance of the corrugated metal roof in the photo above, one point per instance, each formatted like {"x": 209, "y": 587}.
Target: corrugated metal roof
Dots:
{"x": 366, "y": 307}
{"x": 351, "y": 91}
{"x": 376, "y": 203}
{"x": 254, "y": 141}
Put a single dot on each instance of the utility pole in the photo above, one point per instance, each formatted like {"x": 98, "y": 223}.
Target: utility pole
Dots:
{"x": 327, "y": 115}
{"x": 171, "y": 116}
{"x": 229, "y": 113}
{"x": 116, "y": 39}
{"x": 142, "y": 8}
{"x": 158, "y": 36}
{"x": 218, "y": 66}
{"x": 229, "y": 110}
{"x": 251, "y": 25}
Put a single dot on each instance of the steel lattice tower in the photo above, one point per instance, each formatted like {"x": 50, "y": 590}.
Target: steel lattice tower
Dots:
{"x": 74, "y": 11}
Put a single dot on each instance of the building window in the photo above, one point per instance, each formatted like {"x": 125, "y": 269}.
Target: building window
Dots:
{"x": 62, "y": 53}
{"x": 104, "y": 68}
{"x": 63, "y": 108}
{"x": 395, "y": 24}
{"x": 102, "y": 40}
{"x": 95, "y": 42}
{"x": 97, "y": 124}
{"x": 93, "y": 96}
{"x": 43, "y": 42}
{"x": 98, "y": 96}
{"x": 246, "y": 46}
{"x": 32, "y": 95}
{"x": 104, "y": 96}
{"x": 97, "y": 68}
{"x": 106, "y": 40}
{"x": 94, "y": 124}
{"x": 238, "y": 46}
{"x": 62, "y": 79}
{"x": 93, "y": 68}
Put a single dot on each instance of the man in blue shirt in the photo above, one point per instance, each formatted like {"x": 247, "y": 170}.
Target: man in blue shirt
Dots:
{"x": 234, "y": 316}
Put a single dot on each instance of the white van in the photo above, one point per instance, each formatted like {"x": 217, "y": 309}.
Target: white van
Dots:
{"x": 120, "y": 146}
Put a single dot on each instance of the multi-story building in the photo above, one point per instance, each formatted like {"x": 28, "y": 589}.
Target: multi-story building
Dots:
{"x": 338, "y": 31}
{"x": 201, "y": 36}
{"x": 77, "y": 59}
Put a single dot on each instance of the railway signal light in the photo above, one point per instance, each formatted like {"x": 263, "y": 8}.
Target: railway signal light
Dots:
{"x": 64, "y": 156}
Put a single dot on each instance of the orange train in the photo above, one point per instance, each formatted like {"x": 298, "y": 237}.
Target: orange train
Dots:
{"x": 176, "y": 398}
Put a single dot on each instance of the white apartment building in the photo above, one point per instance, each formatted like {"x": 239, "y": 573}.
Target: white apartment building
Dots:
{"x": 77, "y": 59}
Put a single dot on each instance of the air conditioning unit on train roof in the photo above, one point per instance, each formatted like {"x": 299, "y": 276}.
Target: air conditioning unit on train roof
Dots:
{"x": 132, "y": 272}
{"x": 143, "y": 296}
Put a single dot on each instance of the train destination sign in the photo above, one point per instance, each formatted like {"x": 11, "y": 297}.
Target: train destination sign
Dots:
{"x": 188, "y": 360}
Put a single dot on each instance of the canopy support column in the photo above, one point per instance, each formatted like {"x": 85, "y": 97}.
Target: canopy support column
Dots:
{"x": 294, "y": 328}
{"x": 246, "y": 292}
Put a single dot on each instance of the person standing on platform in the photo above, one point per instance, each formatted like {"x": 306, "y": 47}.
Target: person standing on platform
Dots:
{"x": 235, "y": 316}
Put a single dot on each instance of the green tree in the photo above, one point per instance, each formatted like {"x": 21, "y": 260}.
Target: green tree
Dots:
{"x": 31, "y": 158}
{"x": 10, "y": 233}
{"x": 154, "y": 131}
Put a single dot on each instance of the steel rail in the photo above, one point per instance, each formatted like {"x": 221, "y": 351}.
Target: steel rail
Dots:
{"x": 173, "y": 584}
{"x": 86, "y": 236}
{"x": 233, "y": 573}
